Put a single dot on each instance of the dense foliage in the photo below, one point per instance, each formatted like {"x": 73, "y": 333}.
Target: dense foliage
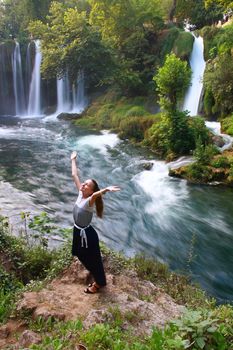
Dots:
{"x": 218, "y": 78}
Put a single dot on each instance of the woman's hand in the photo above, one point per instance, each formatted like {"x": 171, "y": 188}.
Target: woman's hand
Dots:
{"x": 73, "y": 155}
{"x": 113, "y": 188}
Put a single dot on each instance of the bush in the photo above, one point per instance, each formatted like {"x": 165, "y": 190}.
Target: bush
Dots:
{"x": 204, "y": 153}
{"x": 199, "y": 172}
{"x": 172, "y": 135}
{"x": 227, "y": 125}
{"x": 208, "y": 102}
{"x": 199, "y": 130}
{"x": 220, "y": 162}
{"x": 135, "y": 127}
{"x": 9, "y": 285}
{"x": 136, "y": 111}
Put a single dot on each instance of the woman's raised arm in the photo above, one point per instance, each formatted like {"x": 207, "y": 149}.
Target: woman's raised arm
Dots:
{"x": 75, "y": 170}
{"x": 103, "y": 191}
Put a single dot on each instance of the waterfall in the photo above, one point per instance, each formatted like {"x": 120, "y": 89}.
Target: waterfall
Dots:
{"x": 28, "y": 70}
{"x": 197, "y": 63}
{"x": 193, "y": 94}
{"x": 34, "y": 102}
{"x": 63, "y": 94}
{"x": 18, "y": 86}
{"x": 78, "y": 91}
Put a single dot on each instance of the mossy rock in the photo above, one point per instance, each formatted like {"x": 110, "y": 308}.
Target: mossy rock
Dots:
{"x": 183, "y": 45}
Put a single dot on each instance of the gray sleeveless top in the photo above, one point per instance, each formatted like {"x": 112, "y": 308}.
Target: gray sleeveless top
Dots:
{"x": 82, "y": 211}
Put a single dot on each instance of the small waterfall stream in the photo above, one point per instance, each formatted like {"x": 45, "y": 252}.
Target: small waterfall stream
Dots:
{"x": 34, "y": 101}
{"x": 67, "y": 102}
{"x": 20, "y": 105}
{"x": 63, "y": 95}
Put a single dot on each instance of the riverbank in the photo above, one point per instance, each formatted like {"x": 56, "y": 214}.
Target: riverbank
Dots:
{"x": 217, "y": 171}
{"x": 144, "y": 305}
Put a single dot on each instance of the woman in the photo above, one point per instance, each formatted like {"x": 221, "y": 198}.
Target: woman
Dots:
{"x": 85, "y": 239}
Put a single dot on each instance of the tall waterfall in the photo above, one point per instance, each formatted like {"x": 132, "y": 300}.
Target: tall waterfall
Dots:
{"x": 20, "y": 105}
{"x": 197, "y": 63}
{"x": 34, "y": 101}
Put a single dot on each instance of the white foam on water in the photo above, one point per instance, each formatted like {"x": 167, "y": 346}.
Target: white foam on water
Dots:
{"x": 164, "y": 195}
{"x": 22, "y": 132}
{"x": 215, "y": 127}
{"x": 100, "y": 142}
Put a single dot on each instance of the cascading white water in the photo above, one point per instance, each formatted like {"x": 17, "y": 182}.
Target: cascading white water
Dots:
{"x": 197, "y": 63}
{"x": 63, "y": 95}
{"x": 20, "y": 105}
{"x": 193, "y": 94}
{"x": 28, "y": 70}
{"x": 75, "y": 102}
{"x": 79, "y": 98}
{"x": 34, "y": 102}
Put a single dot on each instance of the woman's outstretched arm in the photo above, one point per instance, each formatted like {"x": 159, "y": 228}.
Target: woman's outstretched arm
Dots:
{"x": 103, "y": 191}
{"x": 75, "y": 170}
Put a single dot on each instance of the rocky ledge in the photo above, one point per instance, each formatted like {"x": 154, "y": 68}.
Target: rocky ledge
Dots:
{"x": 64, "y": 299}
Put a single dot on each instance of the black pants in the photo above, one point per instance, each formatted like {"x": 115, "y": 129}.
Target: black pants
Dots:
{"x": 90, "y": 257}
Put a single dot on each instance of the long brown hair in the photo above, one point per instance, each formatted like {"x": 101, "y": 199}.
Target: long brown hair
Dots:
{"x": 99, "y": 204}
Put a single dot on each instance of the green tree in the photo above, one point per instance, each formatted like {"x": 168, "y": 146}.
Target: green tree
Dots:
{"x": 16, "y": 14}
{"x": 131, "y": 28}
{"x": 70, "y": 43}
{"x": 195, "y": 12}
{"x": 172, "y": 81}
{"x": 226, "y": 4}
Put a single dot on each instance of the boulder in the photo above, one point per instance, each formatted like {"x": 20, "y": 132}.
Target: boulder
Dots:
{"x": 28, "y": 338}
{"x": 4, "y": 331}
{"x": 218, "y": 140}
{"x": 148, "y": 165}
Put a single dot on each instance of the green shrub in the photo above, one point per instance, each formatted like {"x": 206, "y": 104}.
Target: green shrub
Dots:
{"x": 199, "y": 172}
{"x": 103, "y": 116}
{"x": 209, "y": 102}
{"x": 204, "y": 153}
{"x": 199, "y": 131}
{"x": 227, "y": 125}
{"x": 172, "y": 135}
{"x": 30, "y": 261}
{"x": 135, "y": 127}
{"x": 136, "y": 111}
{"x": 201, "y": 330}
{"x": 220, "y": 162}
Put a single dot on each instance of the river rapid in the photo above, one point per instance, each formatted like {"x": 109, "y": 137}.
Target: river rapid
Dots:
{"x": 160, "y": 216}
